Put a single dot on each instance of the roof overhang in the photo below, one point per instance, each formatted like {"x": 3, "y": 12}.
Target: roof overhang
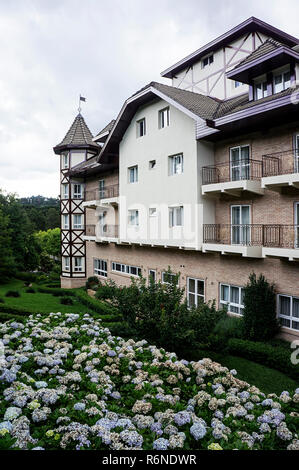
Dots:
{"x": 128, "y": 110}
{"x": 61, "y": 148}
{"x": 274, "y": 59}
{"x": 248, "y": 26}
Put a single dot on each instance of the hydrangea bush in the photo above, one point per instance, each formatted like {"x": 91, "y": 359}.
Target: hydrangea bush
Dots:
{"x": 67, "y": 383}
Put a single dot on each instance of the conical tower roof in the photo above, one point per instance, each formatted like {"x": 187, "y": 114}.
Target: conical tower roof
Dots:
{"x": 78, "y": 136}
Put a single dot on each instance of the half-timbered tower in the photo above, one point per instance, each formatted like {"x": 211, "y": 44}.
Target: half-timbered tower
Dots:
{"x": 76, "y": 147}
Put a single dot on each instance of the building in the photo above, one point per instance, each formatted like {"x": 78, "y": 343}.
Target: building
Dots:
{"x": 201, "y": 175}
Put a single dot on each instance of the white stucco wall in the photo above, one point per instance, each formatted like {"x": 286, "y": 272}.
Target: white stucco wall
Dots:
{"x": 155, "y": 187}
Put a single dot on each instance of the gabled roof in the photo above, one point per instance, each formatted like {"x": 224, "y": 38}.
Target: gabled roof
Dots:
{"x": 268, "y": 56}
{"x": 90, "y": 167}
{"x": 195, "y": 105}
{"x": 100, "y": 136}
{"x": 252, "y": 24}
{"x": 78, "y": 136}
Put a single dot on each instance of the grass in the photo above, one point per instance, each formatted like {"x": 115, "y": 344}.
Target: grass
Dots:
{"x": 38, "y": 302}
{"x": 266, "y": 379}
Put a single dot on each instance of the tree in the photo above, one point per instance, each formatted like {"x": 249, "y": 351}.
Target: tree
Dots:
{"x": 49, "y": 241}
{"x": 7, "y": 267}
{"x": 260, "y": 322}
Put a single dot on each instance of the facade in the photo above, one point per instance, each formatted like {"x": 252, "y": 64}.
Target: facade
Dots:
{"x": 201, "y": 175}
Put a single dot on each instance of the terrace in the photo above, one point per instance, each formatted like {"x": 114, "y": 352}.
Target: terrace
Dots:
{"x": 101, "y": 197}
{"x": 281, "y": 170}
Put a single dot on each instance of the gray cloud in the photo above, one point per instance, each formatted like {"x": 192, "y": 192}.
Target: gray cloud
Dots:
{"x": 53, "y": 50}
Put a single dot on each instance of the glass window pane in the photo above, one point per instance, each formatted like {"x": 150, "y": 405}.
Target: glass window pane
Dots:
{"x": 235, "y": 155}
{"x": 191, "y": 285}
{"x": 295, "y": 312}
{"x": 295, "y": 325}
{"x": 224, "y": 293}
{"x": 234, "y": 295}
{"x": 284, "y": 305}
{"x": 200, "y": 287}
{"x": 233, "y": 309}
{"x": 191, "y": 300}
{"x": 285, "y": 322}
{"x": 245, "y": 153}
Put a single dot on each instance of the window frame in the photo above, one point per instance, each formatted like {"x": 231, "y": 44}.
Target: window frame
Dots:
{"x": 239, "y": 305}
{"x": 161, "y": 118}
{"x": 65, "y": 160}
{"x": 152, "y": 271}
{"x": 196, "y": 294}
{"x": 102, "y": 270}
{"x": 77, "y": 194}
{"x": 65, "y": 190}
{"x": 208, "y": 58}
{"x": 65, "y": 226}
{"x": 290, "y": 317}
{"x": 78, "y": 269}
{"x": 263, "y": 90}
{"x": 169, "y": 274}
{"x": 133, "y": 170}
{"x": 102, "y": 189}
{"x": 133, "y": 221}
{"x": 173, "y": 216}
{"x": 174, "y": 165}
{"x": 282, "y": 73}
{"x": 66, "y": 265}
{"x": 152, "y": 214}
{"x": 125, "y": 269}
{"x": 77, "y": 226}
{"x": 141, "y": 124}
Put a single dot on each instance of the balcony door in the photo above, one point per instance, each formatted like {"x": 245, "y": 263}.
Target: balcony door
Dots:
{"x": 240, "y": 225}
{"x": 297, "y": 225}
{"x": 102, "y": 222}
{"x": 239, "y": 163}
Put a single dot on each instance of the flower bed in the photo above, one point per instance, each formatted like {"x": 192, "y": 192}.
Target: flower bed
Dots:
{"x": 67, "y": 383}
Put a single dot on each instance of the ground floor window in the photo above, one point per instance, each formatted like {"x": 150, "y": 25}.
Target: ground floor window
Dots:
{"x": 100, "y": 267}
{"x": 288, "y": 311}
{"x": 126, "y": 269}
{"x": 65, "y": 263}
{"x": 78, "y": 264}
{"x": 168, "y": 278}
{"x": 195, "y": 291}
{"x": 232, "y": 297}
{"x": 152, "y": 274}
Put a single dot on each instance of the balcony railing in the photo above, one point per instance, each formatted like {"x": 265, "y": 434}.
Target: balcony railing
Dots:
{"x": 97, "y": 194}
{"x": 276, "y": 236}
{"x": 246, "y": 169}
{"x": 105, "y": 231}
{"x": 281, "y": 163}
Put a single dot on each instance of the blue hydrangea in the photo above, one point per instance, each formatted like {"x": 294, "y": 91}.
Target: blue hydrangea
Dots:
{"x": 111, "y": 353}
{"x": 79, "y": 406}
{"x": 161, "y": 444}
{"x": 181, "y": 418}
{"x": 198, "y": 431}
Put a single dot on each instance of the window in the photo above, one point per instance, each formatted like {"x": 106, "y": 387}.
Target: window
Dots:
{"x": 163, "y": 118}
{"x": 66, "y": 263}
{"x": 240, "y": 225}
{"x": 288, "y": 311}
{"x": 65, "y": 221}
{"x": 65, "y": 191}
{"x": 237, "y": 84}
{"x": 101, "y": 188}
{"x": 176, "y": 215}
{"x": 232, "y": 297}
{"x": 133, "y": 217}
{"x": 240, "y": 163}
{"x": 176, "y": 164}
{"x": 100, "y": 267}
{"x": 195, "y": 291}
{"x": 260, "y": 90}
{"x": 133, "y": 174}
{"x": 152, "y": 274}
{"x": 153, "y": 212}
{"x": 126, "y": 269}
{"x": 141, "y": 131}
{"x": 296, "y": 154}
{"x": 281, "y": 81}
{"x": 65, "y": 161}
{"x": 207, "y": 61}
{"x": 297, "y": 225}
{"x": 152, "y": 164}
{"x": 170, "y": 278}
{"x": 78, "y": 264}
{"x": 78, "y": 191}
{"x": 77, "y": 221}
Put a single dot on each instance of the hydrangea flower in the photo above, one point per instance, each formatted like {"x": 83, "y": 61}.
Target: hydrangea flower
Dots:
{"x": 161, "y": 444}
{"x": 198, "y": 431}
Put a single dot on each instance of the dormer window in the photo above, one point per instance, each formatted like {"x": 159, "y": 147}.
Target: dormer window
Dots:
{"x": 260, "y": 89}
{"x": 207, "y": 61}
{"x": 141, "y": 128}
{"x": 281, "y": 81}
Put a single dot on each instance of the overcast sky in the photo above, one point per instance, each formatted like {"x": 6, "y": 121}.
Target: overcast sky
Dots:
{"x": 53, "y": 50}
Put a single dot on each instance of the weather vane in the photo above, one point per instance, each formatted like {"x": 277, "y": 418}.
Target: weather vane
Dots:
{"x": 81, "y": 98}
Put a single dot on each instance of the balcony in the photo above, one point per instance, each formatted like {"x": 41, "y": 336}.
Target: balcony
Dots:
{"x": 232, "y": 178}
{"x": 252, "y": 240}
{"x": 101, "y": 233}
{"x": 281, "y": 170}
{"x": 100, "y": 198}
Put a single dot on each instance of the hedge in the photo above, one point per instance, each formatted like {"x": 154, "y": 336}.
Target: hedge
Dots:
{"x": 95, "y": 305}
{"x": 15, "y": 310}
{"x": 57, "y": 291}
{"x": 276, "y": 357}
{"x": 7, "y": 317}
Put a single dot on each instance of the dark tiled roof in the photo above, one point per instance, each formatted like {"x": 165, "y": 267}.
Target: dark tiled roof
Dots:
{"x": 107, "y": 128}
{"x": 228, "y": 106}
{"x": 78, "y": 134}
{"x": 268, "y": 46}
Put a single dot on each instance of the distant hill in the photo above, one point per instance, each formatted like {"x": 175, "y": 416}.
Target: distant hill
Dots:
{"x": 39, "y": 201}
{"x": 43, "y": 212}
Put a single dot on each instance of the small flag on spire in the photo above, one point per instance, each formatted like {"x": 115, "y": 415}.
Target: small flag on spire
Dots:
{"x": 82, "y": 98}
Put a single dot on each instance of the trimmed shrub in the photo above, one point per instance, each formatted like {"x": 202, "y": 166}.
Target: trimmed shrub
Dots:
{"x": 2, "y": 300}
{"x": 55, "y": 291}
{"x": 15, "y": 310}
{"x": 66, "y": 301}
{"x": 27, "y": 276}
{"x": 260, "y": 322}
{"x": 12, "y": 293}
{"x": 275, "y": 357}
{"x": 94, "y": 304}
{"x": 6, "y": 317}
{"x": 227, "y": 327}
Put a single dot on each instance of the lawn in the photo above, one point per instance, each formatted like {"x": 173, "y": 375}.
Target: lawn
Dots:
{"x": 43, "y": 303}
